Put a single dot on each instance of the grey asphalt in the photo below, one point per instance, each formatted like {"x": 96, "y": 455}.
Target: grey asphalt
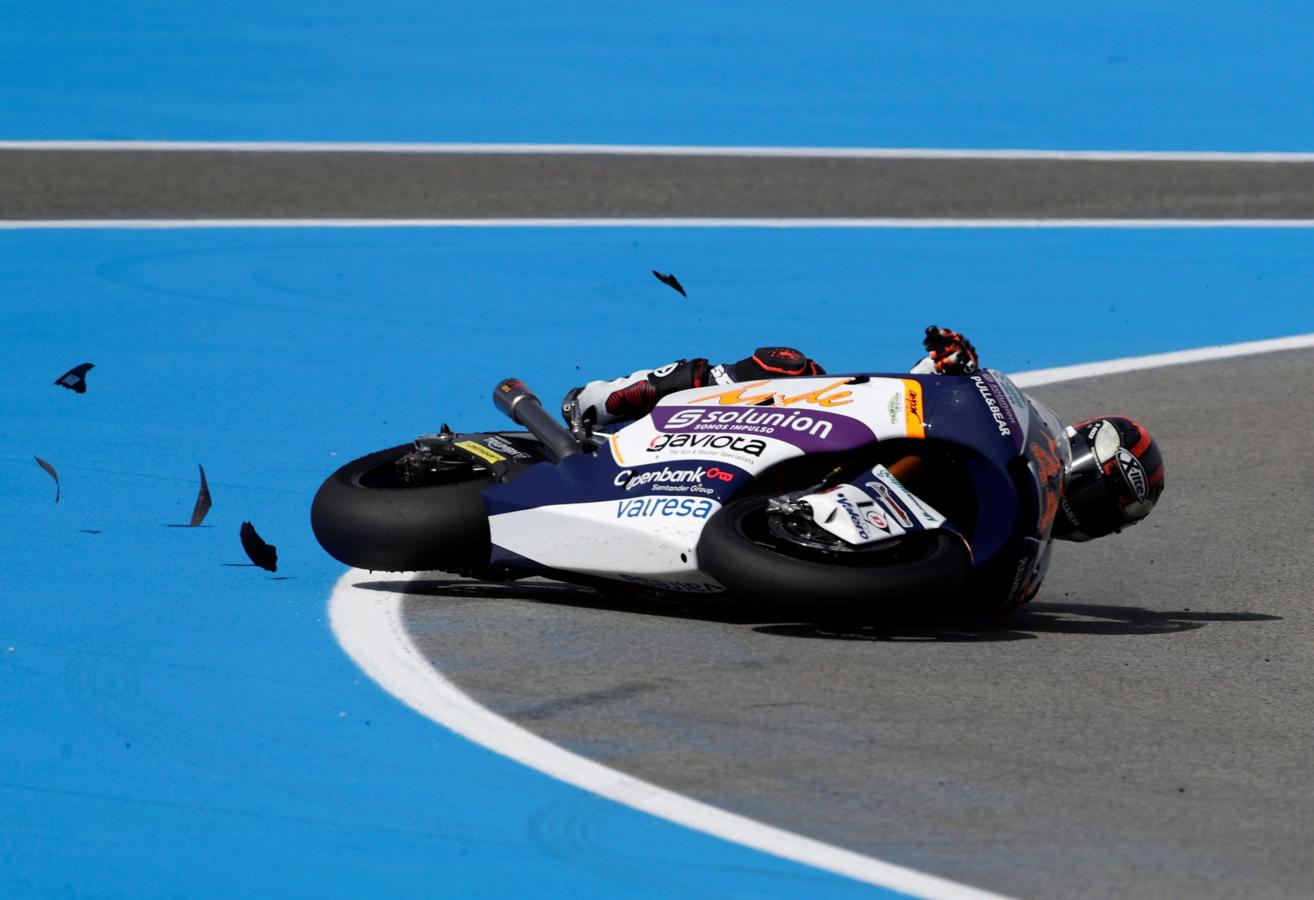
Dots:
{"x": 1143, "y": 728}
{"x": 54, "y": 184}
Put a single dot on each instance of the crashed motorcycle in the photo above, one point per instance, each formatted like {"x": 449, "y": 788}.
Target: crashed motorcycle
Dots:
{"x": 843, "y": 490}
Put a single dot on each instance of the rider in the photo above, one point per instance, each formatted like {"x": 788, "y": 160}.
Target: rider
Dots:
{"x": 1112, "y": 481}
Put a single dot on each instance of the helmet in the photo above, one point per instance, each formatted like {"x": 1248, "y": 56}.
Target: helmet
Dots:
{"x": 1115, "y": 478}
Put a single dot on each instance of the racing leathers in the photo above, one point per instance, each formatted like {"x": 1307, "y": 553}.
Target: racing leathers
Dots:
{"x": 635, "y": 395}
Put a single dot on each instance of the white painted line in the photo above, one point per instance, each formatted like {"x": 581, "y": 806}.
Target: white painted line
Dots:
{"x": 368, "y": 624}
{"x": 1040, "y": 377}
{"x": 683, "y": 222}
{"x": 420, "y": 147}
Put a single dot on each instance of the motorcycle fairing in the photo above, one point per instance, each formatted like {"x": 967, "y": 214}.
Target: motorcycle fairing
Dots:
{"x": 574, "y": 516}
{"x": 648, "y": 537}
{"x": 871, "y": 508}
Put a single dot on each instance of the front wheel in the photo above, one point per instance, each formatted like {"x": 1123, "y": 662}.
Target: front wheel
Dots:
{"x": 366, "y": 516}
{"x": 756, "y": 558}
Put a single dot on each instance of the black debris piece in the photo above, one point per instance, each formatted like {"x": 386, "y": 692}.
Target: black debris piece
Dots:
{"x": 75, "y": 379}
{"x": 202, "y": 501}
{"x": 670, "y": 281}
{"x": 53, "y": 474}
{"x": 263, "y": 555}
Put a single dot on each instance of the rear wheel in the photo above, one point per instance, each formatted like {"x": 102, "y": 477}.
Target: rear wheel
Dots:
{"x": 764, "y": 556}
{"x": 366, "y": 516}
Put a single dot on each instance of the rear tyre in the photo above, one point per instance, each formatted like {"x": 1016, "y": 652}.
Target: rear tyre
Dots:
{"x": 740, "y": 549}
{"x": 365, "y": 516}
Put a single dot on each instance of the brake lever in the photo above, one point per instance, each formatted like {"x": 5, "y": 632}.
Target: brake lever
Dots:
{"x": 580, "y": 427}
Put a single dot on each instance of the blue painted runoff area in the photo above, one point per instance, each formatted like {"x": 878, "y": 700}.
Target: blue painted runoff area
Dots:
{"x": 1118, "y": 74}
{"x": 175, "y": 723}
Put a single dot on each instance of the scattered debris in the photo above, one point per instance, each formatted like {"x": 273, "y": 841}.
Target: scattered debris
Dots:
{"x": 75, "y": 379}
{"x": 51, "y": 469}
{"x": 89, "y": 531}
{"x": 263, "y": 555}
{"x": 670, "y": 281}
{"x": 202, "y": 501}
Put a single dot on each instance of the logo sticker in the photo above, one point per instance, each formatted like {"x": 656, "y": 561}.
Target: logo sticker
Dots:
{"x": 687, "y": 443}
{"x": 996, "y": 412}
{"x": 886, "y": 498}
{"x": 502, "y": 446}
{"x": 666, "y": 507}
{"x": 914, "y": 419}
{"x": 481, "y": 451}
{"x": 672, "y": 479}
{"x": 1133, "y": 473}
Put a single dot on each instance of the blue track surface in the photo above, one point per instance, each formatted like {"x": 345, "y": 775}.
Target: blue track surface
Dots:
{"x": 171, "y": 724}
{"x": 1119, "y": 74}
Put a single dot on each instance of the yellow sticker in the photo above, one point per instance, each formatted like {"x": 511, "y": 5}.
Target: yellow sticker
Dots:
{"x": 912, "y": 406}
{"x": 481, "y": 451}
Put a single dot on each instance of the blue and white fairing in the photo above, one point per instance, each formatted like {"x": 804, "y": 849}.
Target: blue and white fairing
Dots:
{"x": 634, "y": 509}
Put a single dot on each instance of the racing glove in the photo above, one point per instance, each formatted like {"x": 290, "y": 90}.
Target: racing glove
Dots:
{"x": 947, "y": 353}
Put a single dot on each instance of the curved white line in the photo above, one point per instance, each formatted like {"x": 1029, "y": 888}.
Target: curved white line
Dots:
{"x": 439, "y": 147}
{"x": 369, "y": 626}
{"x": 1039, "y": 377}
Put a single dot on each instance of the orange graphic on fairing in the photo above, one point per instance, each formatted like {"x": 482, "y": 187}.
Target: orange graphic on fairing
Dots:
{"x": 820, "y": 397}
{"x": 1049, "y": 470}
{"x": 913, "y": 409}
{"x": 1047, "y": 466}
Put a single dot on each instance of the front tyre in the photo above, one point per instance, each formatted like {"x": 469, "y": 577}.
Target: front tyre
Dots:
{"x": 742, "y": 550}
{"x": 366, "y": 516}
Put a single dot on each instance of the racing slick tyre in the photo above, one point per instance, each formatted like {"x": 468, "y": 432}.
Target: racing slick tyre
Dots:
{"x": 365, "y": 516}
{"x": 740, "y": 549}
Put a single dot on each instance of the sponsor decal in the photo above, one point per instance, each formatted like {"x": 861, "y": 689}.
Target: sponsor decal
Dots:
{"x": 886, "y": 498}
{"x": 847, "y": 505}
{"x": 661, "y": 584}
{"x": 721, "y": 376}
{"x": 481, "y": 451}
{"x": 877, "y": 520}
{"x": 765, "y": 421}
{"x": 895, "y": 408}
{"x": 1015, "y": 398}
{"x": 728, "y": 443}
{"x": 502, "y": 446}
{"x": 1133, "y": 472}
{"x": 665, "y": 370}
{"x": 996, "y": 413}
{"x": 646, "y": 507}
{"x": 806, "y": 429}
{"x": 738, "y": 396}
{"x": 670, "y": 479}
{"x": 909, "y": 499}
{"x": 914, "y": 420}
{"x": 1015, "y": 589}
